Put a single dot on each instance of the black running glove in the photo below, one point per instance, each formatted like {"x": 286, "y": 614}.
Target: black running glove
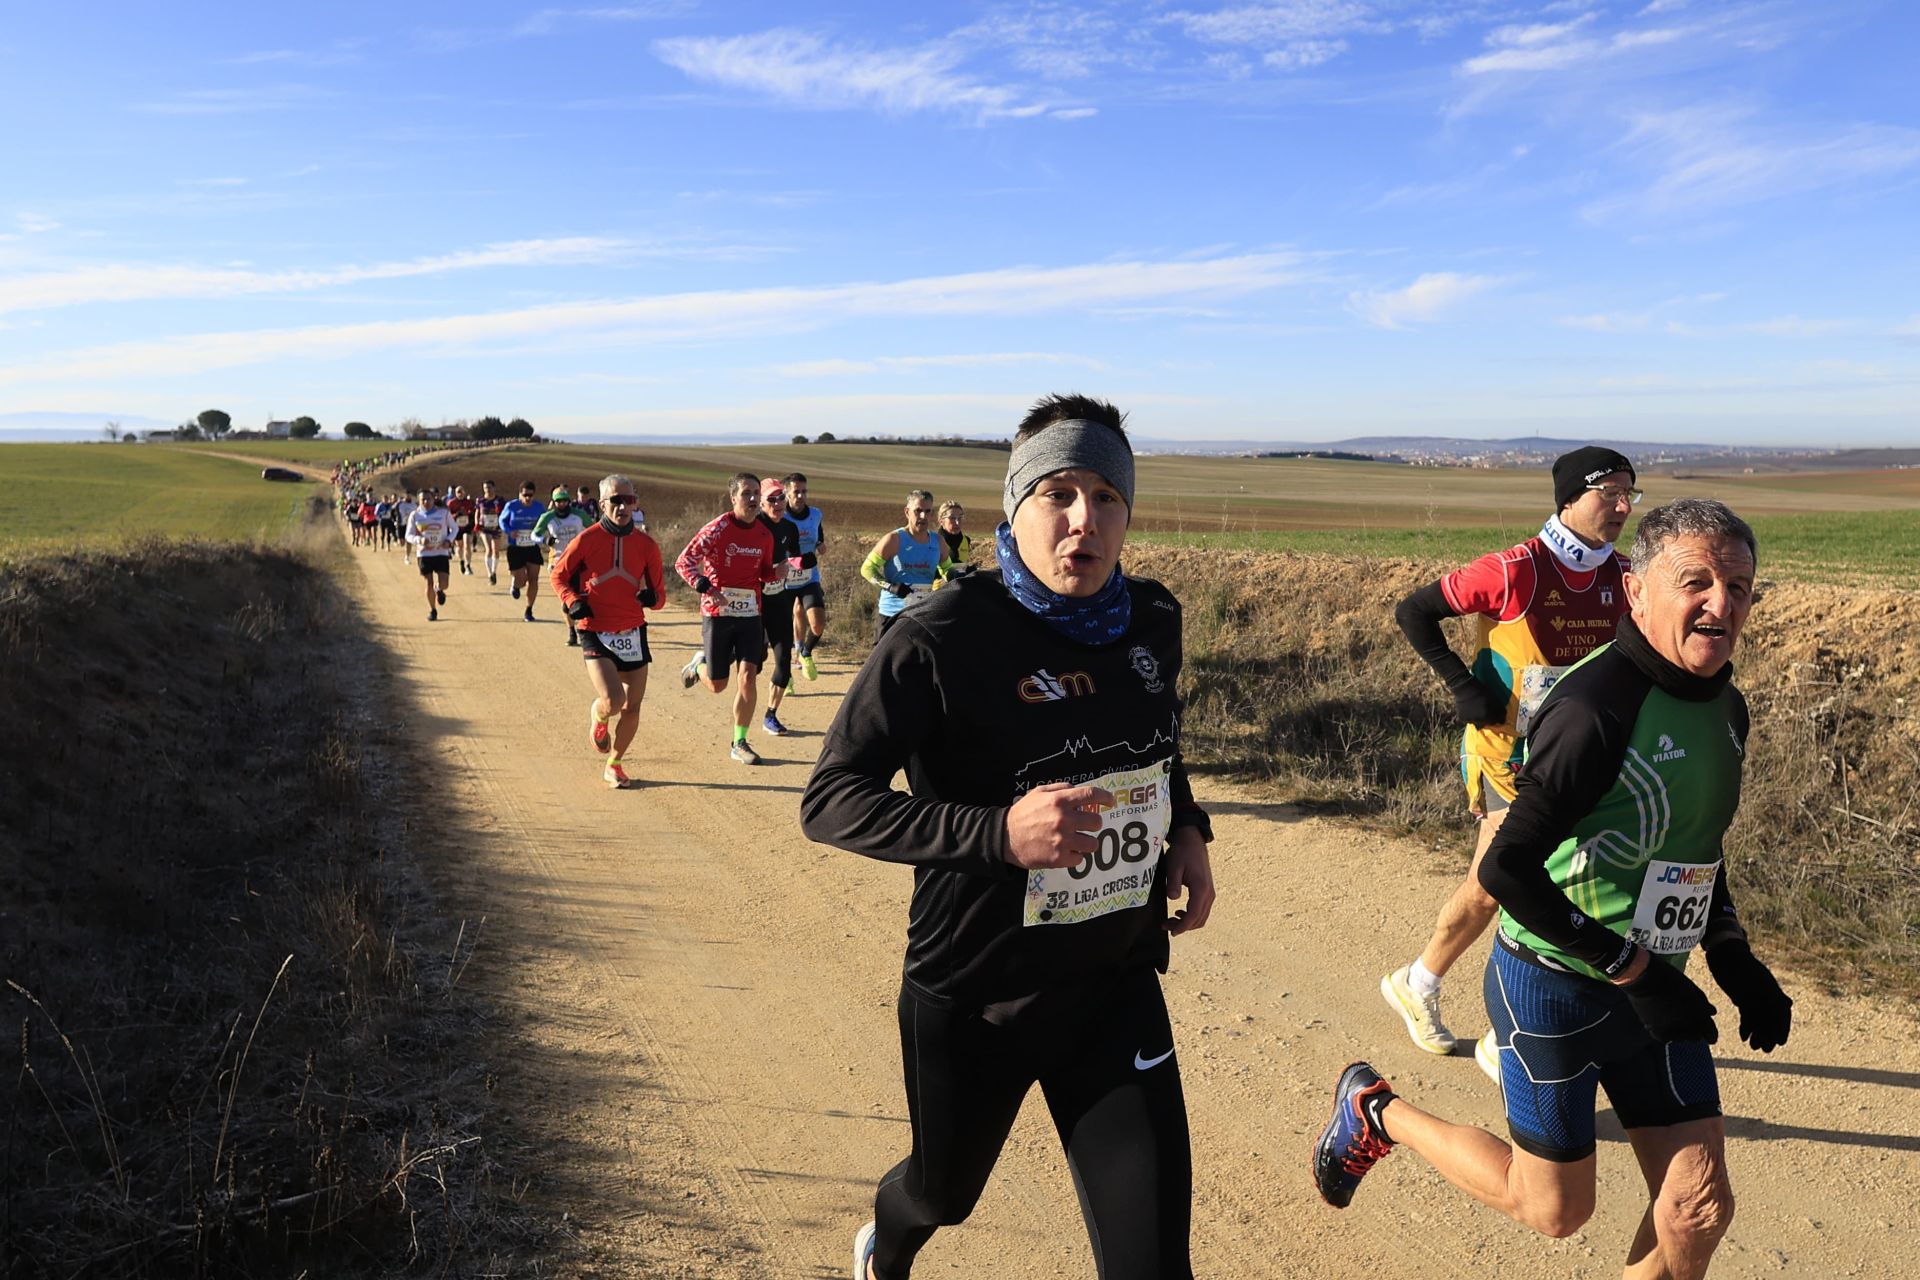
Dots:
{"x": 1766, "y": 1012}
{"x": 900, "y": 589}
{"x": 648, "y": 598}
{"x": 580, "y": 610}
{"x": 808, "y": 560}
{"x": 1474, "y": 703}
{"x": 703, "y": 584}
{"x": 1670, "y": 1005}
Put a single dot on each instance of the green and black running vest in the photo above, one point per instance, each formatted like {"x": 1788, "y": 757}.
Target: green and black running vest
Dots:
{"x": 1645, "y": 761}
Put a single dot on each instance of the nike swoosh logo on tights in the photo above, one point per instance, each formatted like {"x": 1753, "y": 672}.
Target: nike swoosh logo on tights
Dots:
{"x": 1142, "y": 1063}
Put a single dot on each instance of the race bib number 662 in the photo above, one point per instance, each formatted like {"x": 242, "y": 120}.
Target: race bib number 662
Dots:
{"x": 1118, "y": 874}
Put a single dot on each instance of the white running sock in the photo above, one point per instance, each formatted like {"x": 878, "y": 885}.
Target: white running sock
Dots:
{"x": 1422, "y": 979}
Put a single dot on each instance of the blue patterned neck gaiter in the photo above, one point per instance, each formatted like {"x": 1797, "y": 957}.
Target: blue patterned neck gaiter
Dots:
{"x": 1098, "y": 619}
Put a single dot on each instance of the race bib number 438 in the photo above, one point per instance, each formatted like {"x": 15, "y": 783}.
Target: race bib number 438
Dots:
{"x": 1118, "y": 874}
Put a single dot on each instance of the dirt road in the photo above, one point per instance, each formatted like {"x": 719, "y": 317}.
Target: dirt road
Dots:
{"x": 703, "y": 1045}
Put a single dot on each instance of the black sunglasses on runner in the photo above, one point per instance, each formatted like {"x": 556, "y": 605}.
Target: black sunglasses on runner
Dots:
{"x": 622, "y": 499}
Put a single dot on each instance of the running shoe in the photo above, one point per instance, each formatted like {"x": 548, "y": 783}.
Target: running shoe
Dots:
{"x": 863, "y": 1250}
{"x": 809, "y": 668}
{"x": 616, "y": 777}
{"x": 1486, "y": 1052}
{"x": 1420, "y": 1012}
{"x": 433, "y": 615}
{"x": 573, "y": 640}
{"x": 690, "y": 674}
{"x": 528, "y": 615}
{"x": 493, "y": 578}
{"x": 441, "y": 596}
{"x": 773, "y": 726}
{"x": 1353, "y": 1141}
{"x": 744, "y": 754}
{"x": 516, "y": 591}
{"x": 597, "y": 729}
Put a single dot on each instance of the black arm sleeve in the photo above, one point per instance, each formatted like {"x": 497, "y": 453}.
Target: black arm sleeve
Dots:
{"x": 1723, "y": 919}
{"x": 1574, "y": 755}
{"x": 1419, "y": 617}
{"x": 1185, "y": 810}
{"x": 894, "y": 708}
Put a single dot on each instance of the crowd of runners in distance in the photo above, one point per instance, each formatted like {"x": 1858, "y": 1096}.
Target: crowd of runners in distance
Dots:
{"x": 1052, "y": 827}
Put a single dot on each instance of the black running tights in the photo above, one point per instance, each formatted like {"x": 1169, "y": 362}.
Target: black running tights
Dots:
{"x": 1112, "y": 1085}
{"x": 776, "y": 615}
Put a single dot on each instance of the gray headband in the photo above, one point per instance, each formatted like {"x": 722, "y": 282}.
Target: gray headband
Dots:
{"x": 1064, "y": 446}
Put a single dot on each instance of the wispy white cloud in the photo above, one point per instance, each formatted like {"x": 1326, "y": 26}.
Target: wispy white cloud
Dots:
{"x": 1610, "y": 321}
{"x": 1278, "y": 22}
{"x": 1532, "y": 36}
{"x": 674, "y": 318}
{"x": 1064, "y": 41}
{"x": 34, "y": 224}
{"x": 1800, "y": 327}
{"x": 237, "y": 100}
{"x": 1555, "y": 48}
{"x": 129, "y": 283}
{"x": 547, "y": 22}
{"x": 1713, "y": 157}
{"x": 1290, "y": 35}
{"x": 806, "y": 70}
{"x": 1646, "y": 318}
{"x": 825, "y": 368}
{"x": 1302, "y": 54}
{"x": 338, "y": 54}
{"x": 908, "y": 364}
{"x": 1423, "y": 300}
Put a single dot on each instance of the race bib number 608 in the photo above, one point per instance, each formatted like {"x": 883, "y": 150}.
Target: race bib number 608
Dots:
{"x": 1118, "y": 874}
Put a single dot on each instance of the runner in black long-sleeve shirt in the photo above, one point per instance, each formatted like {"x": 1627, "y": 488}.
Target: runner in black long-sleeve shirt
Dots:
{"x": 1048, "y": 821}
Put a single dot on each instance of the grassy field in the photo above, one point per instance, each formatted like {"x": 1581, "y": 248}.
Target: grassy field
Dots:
{"x": 313, "y": 453}
{"x": 68, "y": 495}
{"x": 1880, "y": 548}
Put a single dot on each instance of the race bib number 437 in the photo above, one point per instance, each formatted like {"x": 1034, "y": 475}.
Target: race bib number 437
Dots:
{"x": 1118, "y": 874}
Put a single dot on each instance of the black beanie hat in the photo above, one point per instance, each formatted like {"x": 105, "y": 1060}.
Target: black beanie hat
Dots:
{"x": 1573, "y": 472}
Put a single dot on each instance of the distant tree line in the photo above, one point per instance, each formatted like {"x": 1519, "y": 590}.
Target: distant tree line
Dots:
{"x": 1335, "y": 455}
{"x": 945, "y": 442}
{"x": 213, "y": 424}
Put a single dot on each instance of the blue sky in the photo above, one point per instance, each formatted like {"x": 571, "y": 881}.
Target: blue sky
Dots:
{"x": 1666, "y": 219}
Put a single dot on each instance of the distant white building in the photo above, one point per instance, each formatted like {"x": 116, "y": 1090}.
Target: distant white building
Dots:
{"x": 445, "y": 433}
{"x": 279, "y": 430}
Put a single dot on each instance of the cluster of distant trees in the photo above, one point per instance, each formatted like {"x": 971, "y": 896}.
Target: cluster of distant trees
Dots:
{"x": 949, "y": 442}
{"x": 491, "y": 428}
{"x": 1336, "y": 455}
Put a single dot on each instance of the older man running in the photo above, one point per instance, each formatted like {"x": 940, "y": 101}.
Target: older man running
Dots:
{"x": 1609, "y": 873}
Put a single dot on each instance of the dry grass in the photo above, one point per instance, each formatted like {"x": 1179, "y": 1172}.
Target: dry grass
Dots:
{"x": 242, "y": 1046}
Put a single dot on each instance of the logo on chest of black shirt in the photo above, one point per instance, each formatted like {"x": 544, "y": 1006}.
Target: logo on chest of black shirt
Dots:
{"x": 1043, "y": 686}
{"x": 1147, "y": 667}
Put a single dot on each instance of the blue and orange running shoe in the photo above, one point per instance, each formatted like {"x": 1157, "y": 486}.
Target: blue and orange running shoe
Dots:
{"x": 1354, "y": 1140}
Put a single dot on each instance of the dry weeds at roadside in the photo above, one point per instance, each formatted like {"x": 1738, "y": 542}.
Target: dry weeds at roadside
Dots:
{"x": 240, "y": 1034}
